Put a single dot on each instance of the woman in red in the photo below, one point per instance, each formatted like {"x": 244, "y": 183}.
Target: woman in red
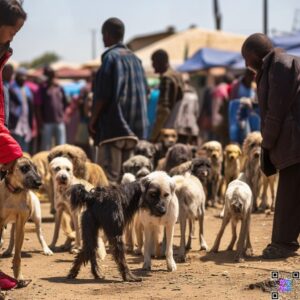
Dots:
{"x": 12, "y": 18}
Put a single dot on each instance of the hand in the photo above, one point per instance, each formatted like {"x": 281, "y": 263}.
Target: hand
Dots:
{"x": 92, "y": 127}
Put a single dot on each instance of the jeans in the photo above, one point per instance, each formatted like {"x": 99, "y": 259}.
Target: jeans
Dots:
{"x": 56, "y": 131}
{"x": 112, "y": 155}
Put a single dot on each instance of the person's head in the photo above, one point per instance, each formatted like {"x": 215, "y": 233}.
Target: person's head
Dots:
{"x": 21, "y": 76}
{"x": 113, "y": 31}
{"x": 12, "y": 18}
{"x": 49, "y": 73}
{"x": 254, "y": 49}
{"x": 160, "y": 61}
{"x": 8, "y": 72}
{"x": 248, "y": 78}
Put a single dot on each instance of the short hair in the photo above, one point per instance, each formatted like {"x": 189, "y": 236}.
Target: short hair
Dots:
{"x": 160, "y": 55}
{"x": 257, "y": 43}
{"x": 115, "y": 28}
{"x": 10, "y": 12}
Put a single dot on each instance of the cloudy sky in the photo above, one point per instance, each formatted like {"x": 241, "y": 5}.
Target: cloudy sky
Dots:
{"x": 64, "y": 26}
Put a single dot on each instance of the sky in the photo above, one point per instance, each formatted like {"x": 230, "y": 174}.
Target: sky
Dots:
{"x": 64, "y": 26}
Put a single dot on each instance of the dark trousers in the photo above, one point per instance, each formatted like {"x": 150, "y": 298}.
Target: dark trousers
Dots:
{"x": 286, "y": 225}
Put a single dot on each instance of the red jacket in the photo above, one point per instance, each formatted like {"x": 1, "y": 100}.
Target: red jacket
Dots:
{"x": 9, "y": 149}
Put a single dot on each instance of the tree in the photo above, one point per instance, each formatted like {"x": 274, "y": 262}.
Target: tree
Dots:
{"x": 44, "y": 59}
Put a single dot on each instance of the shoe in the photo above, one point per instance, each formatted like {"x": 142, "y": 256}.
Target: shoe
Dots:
{"x": 274, "y": 251}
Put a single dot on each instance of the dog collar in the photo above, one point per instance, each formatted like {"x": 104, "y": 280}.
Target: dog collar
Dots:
{"x": 11, "y": 188}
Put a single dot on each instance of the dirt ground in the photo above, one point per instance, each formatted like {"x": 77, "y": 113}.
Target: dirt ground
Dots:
{"x": 204, "y": 276}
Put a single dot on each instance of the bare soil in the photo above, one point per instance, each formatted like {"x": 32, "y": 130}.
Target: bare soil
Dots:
{"x": 203, "y": 276}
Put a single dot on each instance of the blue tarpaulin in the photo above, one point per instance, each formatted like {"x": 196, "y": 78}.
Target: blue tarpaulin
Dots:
{"x": 206, "y": 58}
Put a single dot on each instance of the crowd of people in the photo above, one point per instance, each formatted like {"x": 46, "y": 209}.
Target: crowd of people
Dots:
{"x": 113, "y": 110}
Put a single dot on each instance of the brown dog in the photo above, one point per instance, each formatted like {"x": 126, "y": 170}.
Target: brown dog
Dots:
{"x": 232, "y": 164}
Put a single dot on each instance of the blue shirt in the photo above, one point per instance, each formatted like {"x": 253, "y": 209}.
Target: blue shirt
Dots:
{"x": 121, "y": 83}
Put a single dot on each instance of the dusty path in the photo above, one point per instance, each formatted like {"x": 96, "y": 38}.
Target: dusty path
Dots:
{"x": 204, "y": 276}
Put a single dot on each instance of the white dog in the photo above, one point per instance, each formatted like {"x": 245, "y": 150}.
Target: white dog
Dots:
{"x": 36, "y": 217}
{"x": 61, "y": 170}
{"x": 191, "y": 197}
{"x": 238, "y": 206}
{"x": 159, "y": 209}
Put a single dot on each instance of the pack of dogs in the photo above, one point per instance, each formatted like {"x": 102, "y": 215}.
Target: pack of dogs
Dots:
{"x": 162, "y": 184}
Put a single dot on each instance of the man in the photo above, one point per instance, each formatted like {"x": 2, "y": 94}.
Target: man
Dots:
{"x": 278, "y": 89}
{"x": 12, "y": 18}
{"x": 170, "y": 89}
{"x": 119, "y": 114}
{"x": 50, "y": 111}
{"x": 21, "y": 110}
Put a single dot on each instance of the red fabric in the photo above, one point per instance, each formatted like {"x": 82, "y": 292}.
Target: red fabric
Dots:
{"x": 7, "y": 282}
{"x": 10, "y": 150}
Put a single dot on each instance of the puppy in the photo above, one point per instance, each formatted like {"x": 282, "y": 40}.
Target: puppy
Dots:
{"x": 191, "y": 199}
{"x": 135, "y": 168}
{"x": 238, "y": 206}
{"x": 232, "y": 166}
{"x": 214, "y": 152}
{"x": 36, "y": 217}
{"x": 61, "y": 170}
{"x": 251, "y": 164}
{"x": 159, "y": 209}
{"x": 16, "y": 203}
{"x": 110, "y": 209}
{"x": 146, "y": 149}
{"x": 176, "y": 155}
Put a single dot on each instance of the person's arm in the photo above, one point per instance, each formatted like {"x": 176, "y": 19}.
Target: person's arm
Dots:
{"x": 280, "y": 98}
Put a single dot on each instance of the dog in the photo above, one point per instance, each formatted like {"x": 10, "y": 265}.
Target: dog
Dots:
{"x": 176, "y": 155}
{"x": 167, "y": 138}
{"x": 146, "y": 149}
{"x": 191, "y": 197}
{"x": 232, "y": 166}
{"x": 214, "y": 152}
{"x": 251, "y": 164}
{"x": 111, "y": 209}
{"x": 61, "y": 169}
{"x": 268, "y": 182}
{"x": 16, "y": 204}
{"x": 159, "y": 209}
{"x": 238, "y": 206}
{"x": 135, "y": 168}
{"x": 36, "y": 217}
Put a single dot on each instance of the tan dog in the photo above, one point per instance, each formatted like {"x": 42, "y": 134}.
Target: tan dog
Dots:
{"x": 232, "y": 164}
{"x": 251, "y": 164}
{"x": 16, "y": 203}
{"x": 214, "y": 152}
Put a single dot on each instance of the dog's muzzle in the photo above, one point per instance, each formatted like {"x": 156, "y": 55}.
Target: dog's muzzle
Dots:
{"x": 62, "y": 179}
{"x": 159, "y": 211}
{"x": 142, "y": 173}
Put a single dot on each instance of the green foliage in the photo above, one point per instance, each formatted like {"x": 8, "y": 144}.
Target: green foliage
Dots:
{"x": 45, "y": 59}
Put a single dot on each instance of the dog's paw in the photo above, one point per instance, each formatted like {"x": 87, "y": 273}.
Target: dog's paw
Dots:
{"x": 171, "y": 265}
{"x": 48, "y": 252}
{"x": 214, "y": 250}
{"x": 181, "y": 259}
{"x": 204, "y": 247}
{"x": 6, "y": 254}
{"x": 72, "y": 275}
{"x": 147, "y": 266}
{"x": 249, "y": 252}
{"x": 74, "y": 250}
{"x": 239, "y": 258}
{"x": 137, "y": 252}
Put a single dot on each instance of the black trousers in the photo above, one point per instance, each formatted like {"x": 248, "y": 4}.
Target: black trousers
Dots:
{"x": 286, "y": 224}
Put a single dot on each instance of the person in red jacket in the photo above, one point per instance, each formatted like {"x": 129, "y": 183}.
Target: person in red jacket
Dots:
{"x": 12, "y": 18}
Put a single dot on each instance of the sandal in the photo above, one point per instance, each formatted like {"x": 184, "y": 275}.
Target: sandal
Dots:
{"x": 273, "y": 251}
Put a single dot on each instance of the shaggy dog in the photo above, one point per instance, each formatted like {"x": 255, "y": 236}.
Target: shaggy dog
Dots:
{"x": 191, "y": 199}
{"x": 63, "y": 178}
{"x": 138, "y": 165}
{"x": 16, "y": 204}
{"x": 147, "y": 149}
{"x": 251, "y": 164}
{"x": 176, "y": 155}
{"x": 215, "y": 154}
{"x": 159, "y": 209}
{"x": 238, "y": 206}
{"x": 110, "y": 209}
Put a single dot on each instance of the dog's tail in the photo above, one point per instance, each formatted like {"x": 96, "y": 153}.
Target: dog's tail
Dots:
{"x": 79, "y": 196}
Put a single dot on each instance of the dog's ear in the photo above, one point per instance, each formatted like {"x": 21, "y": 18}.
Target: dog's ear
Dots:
{"x": 145, "y": 182}
{"x": 172, "y": 185}
{"x": 54, "y": 154}
{"x": 126, "y": 166}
